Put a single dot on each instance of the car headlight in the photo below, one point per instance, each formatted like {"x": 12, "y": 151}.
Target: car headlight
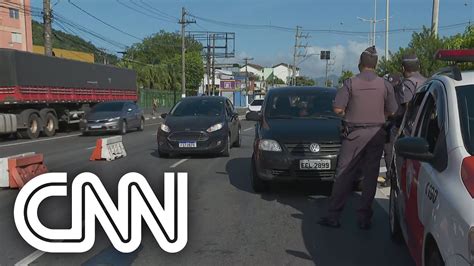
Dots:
{"x": 114, "y": 119}
{"x": 269, "y": 145}
{"x": 215, "y": 128}
{"x": 165, "y": 128}
{"x": 471, "y": 244}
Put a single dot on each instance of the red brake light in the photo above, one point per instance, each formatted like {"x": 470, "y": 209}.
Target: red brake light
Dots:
{"x": 467, "y": 174}
{"x": 466, "y": 55}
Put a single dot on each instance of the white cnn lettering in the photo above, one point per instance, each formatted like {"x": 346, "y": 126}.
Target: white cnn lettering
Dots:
{"x": 91, "y": 201}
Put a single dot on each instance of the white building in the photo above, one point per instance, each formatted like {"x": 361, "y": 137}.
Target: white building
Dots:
{"x": 255, "y": 70}
{"x": 284, "y": 72}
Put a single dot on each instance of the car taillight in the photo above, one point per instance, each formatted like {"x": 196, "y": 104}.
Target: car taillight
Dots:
{"x": 467, "y": 174}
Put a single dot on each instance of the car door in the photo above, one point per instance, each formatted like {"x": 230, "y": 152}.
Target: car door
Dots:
{"x": 420, "y": 180}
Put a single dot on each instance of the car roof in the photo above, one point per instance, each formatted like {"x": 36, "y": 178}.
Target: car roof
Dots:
{"x": 301, "y": 89}
{"x": 216, "y": 98}
{"x": 467, "y": 79}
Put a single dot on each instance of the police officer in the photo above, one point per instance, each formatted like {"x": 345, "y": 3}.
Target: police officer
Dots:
{"x": 404, "y": 93}
{"x": 365, "y": 101}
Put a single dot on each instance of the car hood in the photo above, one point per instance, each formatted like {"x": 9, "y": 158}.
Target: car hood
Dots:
{"x": 103, "y": 115}
{"x": 192, "y": 123}
{"x": 303, "y": 130}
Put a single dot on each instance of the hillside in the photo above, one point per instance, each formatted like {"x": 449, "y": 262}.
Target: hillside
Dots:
{"x": 68, "y": 41}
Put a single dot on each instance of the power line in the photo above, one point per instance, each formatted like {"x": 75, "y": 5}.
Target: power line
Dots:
{"x": 148, "y": 8}
{"x": 159, "y": 11}
{"x": 102, "y": 21}
{"x": 143, "y": 13}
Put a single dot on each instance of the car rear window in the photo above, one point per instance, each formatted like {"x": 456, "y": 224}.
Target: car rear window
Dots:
{"x": 200, "y": 107}
{"x": 465, "y": 96}
{"x": 109, "y": 107}
{"x": 300, "y": 105}
{"x": 257, "y": 103}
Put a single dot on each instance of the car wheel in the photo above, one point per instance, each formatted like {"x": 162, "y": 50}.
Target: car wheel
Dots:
{"x": 33, "y": 130}
{"x": 123, "y": 128}
{"x": 50, "y": 126}
{"x": 258, "y": 185}
{"x": 434, "y": 257}
{"x": 226, "y": 152}
{"x": 238, "y": 142}
{"x": 142, "y": 125}
{"x": 395, "y": 230}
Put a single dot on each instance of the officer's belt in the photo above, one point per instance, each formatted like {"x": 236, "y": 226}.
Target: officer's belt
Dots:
{"x": 357, "y": 126}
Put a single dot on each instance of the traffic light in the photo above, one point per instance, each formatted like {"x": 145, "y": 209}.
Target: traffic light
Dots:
{"x": 325, "y": 55}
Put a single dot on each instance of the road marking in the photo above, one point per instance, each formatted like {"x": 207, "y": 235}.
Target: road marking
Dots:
{"x": 383, "y": 169}
{"x": 146, "y": 119}
{"x": 248, "y": 129}
{"x": 39, "y": 140}
{"x": 153, "y": 124}
{"x": 90, "y": 148}
{"x": 30, "y": 258}
{"x": 178, "y": 163}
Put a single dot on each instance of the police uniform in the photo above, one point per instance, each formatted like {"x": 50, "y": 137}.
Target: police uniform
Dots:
{"x": 366, "y": 98}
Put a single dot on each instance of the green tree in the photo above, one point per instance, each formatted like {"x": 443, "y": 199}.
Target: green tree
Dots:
{"x": 304, "y": 81}
{"x": 157, "y": 61}
{"x": 274, "y": 80}
{"x": 345, "y": 75}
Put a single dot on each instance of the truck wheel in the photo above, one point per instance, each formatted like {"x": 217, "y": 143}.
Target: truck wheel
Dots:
{"x": 50, "y": 125}
{"x": 33, "y": 130}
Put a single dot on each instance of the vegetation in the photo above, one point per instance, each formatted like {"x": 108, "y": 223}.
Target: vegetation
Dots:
{"x": 304, "y": 81}
{"x": 67, "y": 41}
{"x": 424, "y": 44}
{"x": 345, "y": 75}
{"x": 157, "y": 61}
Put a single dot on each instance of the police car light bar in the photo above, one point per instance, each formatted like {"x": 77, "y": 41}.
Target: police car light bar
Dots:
{"x": 466, "y": 55}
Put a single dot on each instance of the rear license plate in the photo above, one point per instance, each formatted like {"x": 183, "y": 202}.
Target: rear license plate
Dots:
{"x": 187, "y": 145}
{"x": 315, "y": 164}
{"x": 95, "y": 127}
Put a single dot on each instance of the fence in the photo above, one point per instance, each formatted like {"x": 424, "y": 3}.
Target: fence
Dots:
{"x": 165, "y": 98}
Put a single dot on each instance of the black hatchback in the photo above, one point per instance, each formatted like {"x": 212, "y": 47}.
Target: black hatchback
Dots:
{"x": 203, "y": 124}
{"x": 297, "y": 136}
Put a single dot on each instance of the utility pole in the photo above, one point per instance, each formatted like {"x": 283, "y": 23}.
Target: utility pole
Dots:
{"x": 213, "y": 64}
{"x": 48, "y": 45}
{"x": 247, "y": 59}
{"x": 434, "y": 23}
{"x": 208, "y": 65}
{"x": 183, "y": 23}
{"x": 296, "y": 54}
{"x": 387, "y": 27}
{"x": 373, "y": 25}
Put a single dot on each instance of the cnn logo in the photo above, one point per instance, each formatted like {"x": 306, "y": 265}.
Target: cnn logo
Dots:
{"x": 91, "y": 202}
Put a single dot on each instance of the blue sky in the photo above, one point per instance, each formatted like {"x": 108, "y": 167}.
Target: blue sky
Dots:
{"x": 270, "y": 46}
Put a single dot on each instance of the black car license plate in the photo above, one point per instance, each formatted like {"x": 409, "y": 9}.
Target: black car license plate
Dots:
{"x": 315, "y": 164}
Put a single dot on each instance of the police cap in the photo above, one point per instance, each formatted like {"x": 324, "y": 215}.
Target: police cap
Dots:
{"x": 410, "y": 62}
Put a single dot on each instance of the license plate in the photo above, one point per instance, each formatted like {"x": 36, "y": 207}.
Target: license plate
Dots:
{"x": 96, "y": 127}
{"x": 315, "y": 164}
{"x": 187, "y": 145}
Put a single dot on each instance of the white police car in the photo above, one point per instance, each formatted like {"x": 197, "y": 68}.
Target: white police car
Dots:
{"x": 432, "y": 189}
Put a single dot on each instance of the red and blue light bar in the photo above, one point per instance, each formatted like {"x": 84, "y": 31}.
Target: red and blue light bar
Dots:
{"x": 463, "y": 55}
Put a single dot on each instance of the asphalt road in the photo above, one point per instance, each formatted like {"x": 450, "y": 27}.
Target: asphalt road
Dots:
{"x": 228, "y": 223}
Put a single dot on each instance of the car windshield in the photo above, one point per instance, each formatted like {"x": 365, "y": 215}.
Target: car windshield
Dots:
{"x": 257, "y": 103}
{"x": 199, "y": 107}
{"x": 314, "y": 105}
{"x": 465, "y": 96}
{"x": 108, "y": 107}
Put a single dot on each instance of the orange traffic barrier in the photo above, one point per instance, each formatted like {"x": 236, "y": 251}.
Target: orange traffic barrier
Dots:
{"x": 23, "y": 169}
{"x": 97, "y": 153}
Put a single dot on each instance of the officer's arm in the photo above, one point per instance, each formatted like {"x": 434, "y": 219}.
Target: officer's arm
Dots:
{"x": 391, "y": 105}
{"x": 342, "y": 98}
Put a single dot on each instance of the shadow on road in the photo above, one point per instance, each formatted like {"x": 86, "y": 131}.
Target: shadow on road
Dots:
{"x": 324, "y": 246}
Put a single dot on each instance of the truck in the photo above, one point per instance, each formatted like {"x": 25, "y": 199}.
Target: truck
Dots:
{"x": 40, "y": 94}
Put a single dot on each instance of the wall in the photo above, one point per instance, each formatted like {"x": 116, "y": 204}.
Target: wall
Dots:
{"x": 21, "y": 25}
{"x": 74, "y": 55}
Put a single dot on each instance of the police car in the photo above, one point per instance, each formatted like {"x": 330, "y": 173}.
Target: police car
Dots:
{"x": 432, "y": 188}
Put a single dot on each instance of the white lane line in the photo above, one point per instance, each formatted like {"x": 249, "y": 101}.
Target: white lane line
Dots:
{"x": 90, "y": 148}
{"x": 147, "y": 118}
{"x": 178, "y": 163}
{"x": 383, "y": 169}
{"x": 154, "y": 124}
{"x": 30, "y": 258}
{"x": 248, "y": 129}
{"x": 39, "y": 140}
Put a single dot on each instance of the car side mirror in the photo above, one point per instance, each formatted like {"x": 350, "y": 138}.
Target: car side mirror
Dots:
{"x": 164, "y": 115}
{"x": 414, "y": 149}
{"x": 253, "y": 116}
